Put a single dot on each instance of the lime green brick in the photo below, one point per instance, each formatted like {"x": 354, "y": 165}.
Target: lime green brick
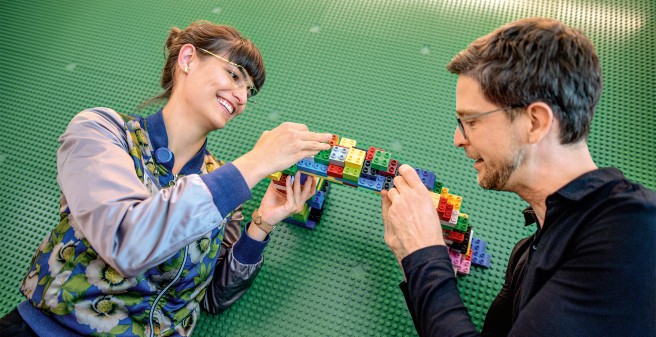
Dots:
{"x": 351, "y": 174}
{"x": 302, "y": 216}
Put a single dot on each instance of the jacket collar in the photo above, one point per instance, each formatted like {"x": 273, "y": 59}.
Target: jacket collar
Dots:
{"x": 159, "y": 139}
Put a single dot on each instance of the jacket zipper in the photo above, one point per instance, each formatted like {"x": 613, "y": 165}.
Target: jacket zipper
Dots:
{"x": 159, "y": 296}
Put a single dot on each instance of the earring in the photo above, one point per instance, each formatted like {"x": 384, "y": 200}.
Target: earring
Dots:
{"x": 186, "y": 69}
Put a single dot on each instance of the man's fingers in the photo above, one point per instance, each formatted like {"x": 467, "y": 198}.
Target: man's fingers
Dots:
{"x": 393, "y": 195}
{"x": 401, "y": 185}
{"x": 410, "y": 175}
{"x": 385, "y": 202}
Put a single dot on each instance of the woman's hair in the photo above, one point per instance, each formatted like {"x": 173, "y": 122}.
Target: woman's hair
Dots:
{"x": 218, "y": 39}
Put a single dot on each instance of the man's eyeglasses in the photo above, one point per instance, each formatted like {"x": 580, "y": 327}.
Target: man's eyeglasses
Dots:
{"x": 470, "y": 117}
{"x": 239, "y": 75}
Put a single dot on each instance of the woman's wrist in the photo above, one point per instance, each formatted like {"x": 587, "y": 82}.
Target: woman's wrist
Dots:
{"x": 250, "y": 168}
{"x": 256, "y": 233}
{"x": 262, "y": 224}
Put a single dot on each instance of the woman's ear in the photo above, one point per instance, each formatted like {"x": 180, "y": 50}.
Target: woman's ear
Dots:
{"x": 541, "y": 119}
{"x": 186, "y": 56}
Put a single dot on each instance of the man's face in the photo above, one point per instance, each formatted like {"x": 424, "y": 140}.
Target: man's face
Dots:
{"x": 491, "y": 138}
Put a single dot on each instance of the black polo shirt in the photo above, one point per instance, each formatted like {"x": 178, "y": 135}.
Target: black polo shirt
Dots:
{"x": 590, "y": 271}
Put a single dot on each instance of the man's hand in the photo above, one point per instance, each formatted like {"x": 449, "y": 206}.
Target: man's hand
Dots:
{"x": 410, "y": 219}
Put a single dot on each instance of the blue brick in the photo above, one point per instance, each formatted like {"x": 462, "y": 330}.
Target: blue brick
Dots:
{"x": 317, "y": 200}
{"x": 478, "y": 245}
{"x": 427, "y": 177}
{"x": 309, "y": 224}
{"x": 481, "y": 259}
{"x": 308, "y": 166}
{"x": 375, "y": 185}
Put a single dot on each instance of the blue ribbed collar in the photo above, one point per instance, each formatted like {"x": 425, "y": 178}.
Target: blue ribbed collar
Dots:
{"x": 158, "y": 138}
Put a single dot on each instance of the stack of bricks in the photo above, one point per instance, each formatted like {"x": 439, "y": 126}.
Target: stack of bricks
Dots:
{"x": 374, "y": 169}
{"x": 312, "y": 211}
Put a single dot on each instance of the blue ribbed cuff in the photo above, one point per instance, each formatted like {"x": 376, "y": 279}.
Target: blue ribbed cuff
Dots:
{"x": 228, "y": 188}
{"x": 248, "y": 250}
{"x": 40, "y": 323}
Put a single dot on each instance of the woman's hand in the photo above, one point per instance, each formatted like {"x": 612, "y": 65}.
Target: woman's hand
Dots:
{"x": 277, "y": 205}
{"x": 279, "y": 149}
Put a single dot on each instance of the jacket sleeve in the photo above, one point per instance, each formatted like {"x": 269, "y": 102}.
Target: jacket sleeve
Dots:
{"x": 432, "y": 295}
{"x": 130, "y": 229}
{"x": 239, "y": 262}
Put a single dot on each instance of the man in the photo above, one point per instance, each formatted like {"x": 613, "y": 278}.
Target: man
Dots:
{"x": 525, "y": 99}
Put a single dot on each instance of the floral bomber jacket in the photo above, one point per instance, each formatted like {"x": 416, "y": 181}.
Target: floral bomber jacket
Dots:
{"x": 152, "y": 278}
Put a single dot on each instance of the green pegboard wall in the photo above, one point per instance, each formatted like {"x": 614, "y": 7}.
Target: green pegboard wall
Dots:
{"x": 373, "y": 71}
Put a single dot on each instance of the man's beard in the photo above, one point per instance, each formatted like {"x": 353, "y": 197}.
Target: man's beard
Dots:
{"x": 495, "y": 178}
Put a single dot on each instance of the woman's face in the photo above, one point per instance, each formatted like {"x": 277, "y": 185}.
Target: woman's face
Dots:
{"x": 216, "y": 89}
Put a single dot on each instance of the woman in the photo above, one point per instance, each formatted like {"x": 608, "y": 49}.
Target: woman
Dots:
{"x": 148, "y": 216}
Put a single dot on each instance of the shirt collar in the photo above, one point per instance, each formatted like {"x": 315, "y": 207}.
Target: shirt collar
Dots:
{"x": 588, "y": 183}
{"x": 529, "y": 216}
{"x": 579, "y": 188}
{"x": 158, "y": 138}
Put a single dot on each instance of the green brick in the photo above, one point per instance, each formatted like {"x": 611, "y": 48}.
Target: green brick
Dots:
{"x": 381, "y": 160}
{"x": 291, "y": 170}
{"x": 323, "y": 157}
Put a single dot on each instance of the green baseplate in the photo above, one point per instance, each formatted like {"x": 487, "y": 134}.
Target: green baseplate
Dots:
{"x": 370, "y": 70}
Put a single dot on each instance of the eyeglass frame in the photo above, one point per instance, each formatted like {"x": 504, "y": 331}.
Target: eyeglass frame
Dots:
{"x": 252, "y": 90}
{"x": 477, "y": 115}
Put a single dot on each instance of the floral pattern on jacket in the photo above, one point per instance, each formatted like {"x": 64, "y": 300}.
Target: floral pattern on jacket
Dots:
{"x": 71, "y": 283}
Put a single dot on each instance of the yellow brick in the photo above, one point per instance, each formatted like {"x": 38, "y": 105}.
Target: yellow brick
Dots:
{"x": 355, "y": 158}
{"x": 345, "y": 142}
{"x": 436, "y": 198}
{"x": 275, "y": 176}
